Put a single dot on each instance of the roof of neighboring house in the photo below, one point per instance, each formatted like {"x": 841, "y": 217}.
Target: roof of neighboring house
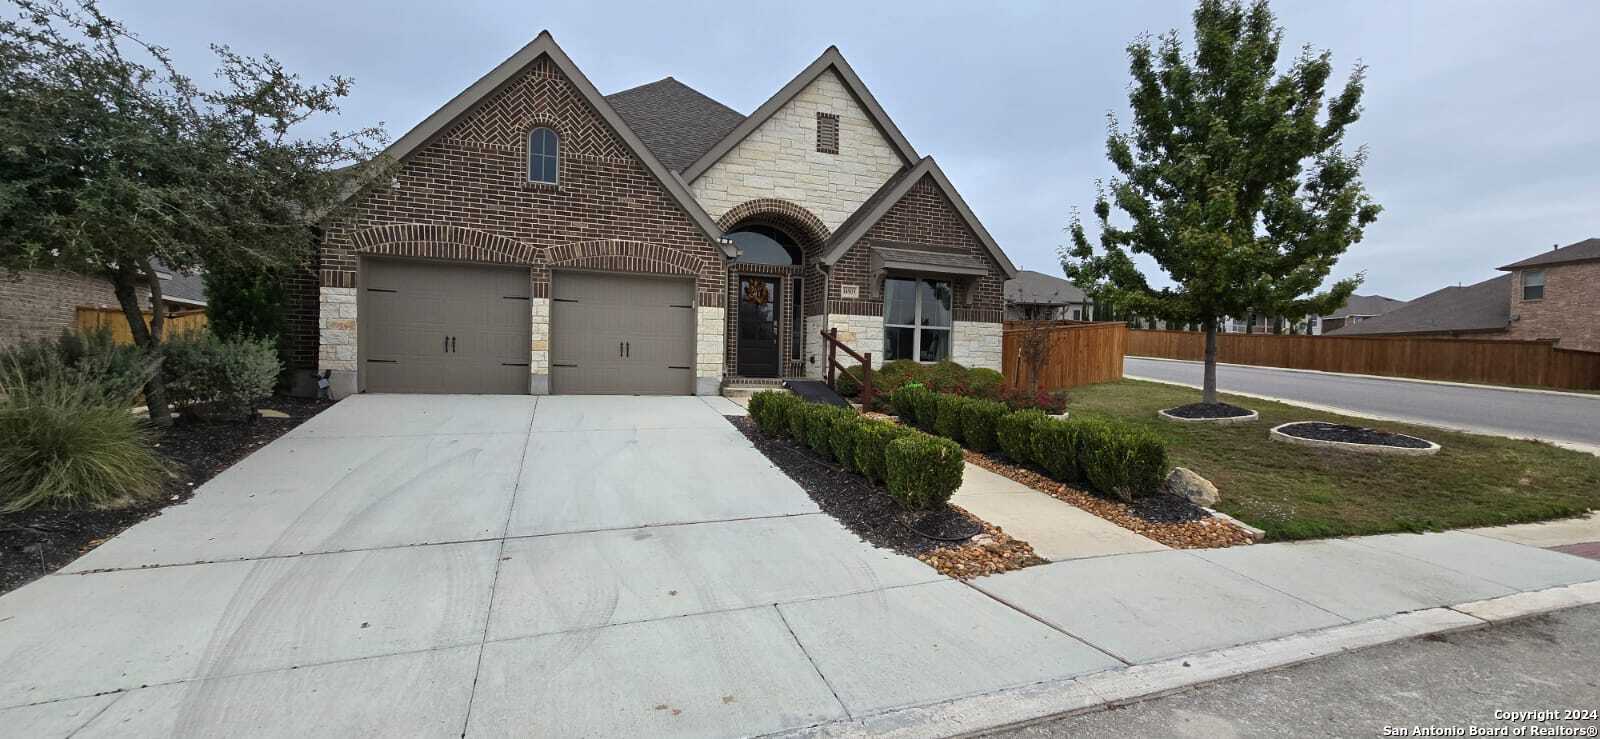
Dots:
{"x": 1485, "y": 306}
{"x": 676, "y": 122}
{"x": 1366, "y": 305}
{"x": 1583, "y": 251}
{"x": 1037, "y": 288}
{"x": 181, "y": 288}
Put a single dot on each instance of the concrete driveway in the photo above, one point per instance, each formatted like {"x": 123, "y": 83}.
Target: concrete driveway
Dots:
{"x": 1566, "y": 418}
{"x": 425, "y": 565}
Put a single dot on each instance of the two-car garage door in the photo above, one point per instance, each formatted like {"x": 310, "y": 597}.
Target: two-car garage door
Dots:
{"x": 430, "y": 327}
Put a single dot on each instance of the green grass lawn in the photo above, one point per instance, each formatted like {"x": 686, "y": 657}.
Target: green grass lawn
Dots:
{"x": 1296, "y": 492}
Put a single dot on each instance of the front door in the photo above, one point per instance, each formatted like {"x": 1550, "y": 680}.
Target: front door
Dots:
{"x": 758, "y": 326}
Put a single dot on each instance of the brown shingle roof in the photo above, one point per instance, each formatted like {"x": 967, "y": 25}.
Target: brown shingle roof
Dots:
{"x": 1366, "y": 305}
{"x": 1485, "y": 306}
{"x": 1583, "y": 251}
{"x": 676, "y": 122}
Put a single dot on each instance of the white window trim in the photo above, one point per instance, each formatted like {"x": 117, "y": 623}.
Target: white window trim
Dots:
{"x": 1525, "y": 274}
{"x": 916, "y": 318}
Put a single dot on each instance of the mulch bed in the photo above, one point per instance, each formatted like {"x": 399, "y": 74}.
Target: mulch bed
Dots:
{"x": 38, "y": 542}
{"x": 1322, "y": 431}
{"x": 1208, "y": 410}
{"x": 871, "y": 514}
{"x": 1168, "y": 519}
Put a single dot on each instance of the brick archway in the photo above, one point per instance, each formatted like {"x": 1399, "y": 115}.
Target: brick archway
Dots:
{"x": 807, "y": 229}
{"x": 625, "y": 256}
{"x": 442, "y": 242}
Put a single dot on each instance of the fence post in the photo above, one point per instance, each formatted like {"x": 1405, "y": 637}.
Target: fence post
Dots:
{"x": 866, "y": 381}
{"x": 833, "y": 353}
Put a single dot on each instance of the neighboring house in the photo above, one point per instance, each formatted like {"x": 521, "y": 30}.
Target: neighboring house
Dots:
{"x": 540, "y": 237}
{"x": 1355, "y": 310}
{"x": 1551, "y": 296}
{"x": 39, "y": 305}
{"x": 1036, "y": 296}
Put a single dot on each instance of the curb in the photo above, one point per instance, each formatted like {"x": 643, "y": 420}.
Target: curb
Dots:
{"x": 1039, "y": 702}
{"x": 1223, "y": 421}
{"x": 1576, "y": 446}
{"x": 1277, "y": 434}
{"x": 1418, "y": 380}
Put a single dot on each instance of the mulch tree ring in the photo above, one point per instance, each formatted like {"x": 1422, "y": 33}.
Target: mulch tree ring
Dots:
{"x": 1351, "y": 438}
{"x": 1167, "y": 519}
{"x": 36, "y": 542}
{"x": 868, "y": 512}
{"x": 1209, "y": 413}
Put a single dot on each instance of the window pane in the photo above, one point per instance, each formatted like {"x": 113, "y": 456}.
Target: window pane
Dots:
{"x": 935, "y": 344}
{"x": 897, "y": 343}
{"x": 759, "y": 245}
{"x": 549, "y": 169}
{"x": 900, "y": 302}
{"x": 936, "y": 301}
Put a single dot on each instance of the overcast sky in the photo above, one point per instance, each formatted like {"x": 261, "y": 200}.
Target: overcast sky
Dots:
{"x": 1481, "y": 117}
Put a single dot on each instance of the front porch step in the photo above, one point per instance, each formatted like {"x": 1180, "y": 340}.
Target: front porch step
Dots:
{"x": 741, "y": 388}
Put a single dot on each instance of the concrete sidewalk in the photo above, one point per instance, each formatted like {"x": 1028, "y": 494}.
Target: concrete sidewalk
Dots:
{"x": 416, "y": 566}
{"x": 1057, "y": 530}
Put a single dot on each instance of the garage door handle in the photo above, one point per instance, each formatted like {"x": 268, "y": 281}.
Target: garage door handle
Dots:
{"x": 627, "y": 348}
{"x": 452, "y": 345}
{"x": 446, "y": 345}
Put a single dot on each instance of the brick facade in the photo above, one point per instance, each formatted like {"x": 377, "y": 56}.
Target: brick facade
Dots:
{"x": 465, "y": 196}
{"x": 1569, "y": 310}
{"x": 40, "y": 305}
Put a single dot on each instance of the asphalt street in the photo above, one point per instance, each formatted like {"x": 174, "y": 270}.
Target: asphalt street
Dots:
{"x": 1450, "y": 681}
{"x": 1570, "y": 418}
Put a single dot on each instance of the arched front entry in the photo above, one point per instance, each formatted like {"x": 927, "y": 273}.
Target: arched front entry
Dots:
{"x": 771, "y": 288}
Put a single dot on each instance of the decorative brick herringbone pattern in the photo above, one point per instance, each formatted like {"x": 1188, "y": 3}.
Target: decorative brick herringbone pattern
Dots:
{"x": 540, "y": 97}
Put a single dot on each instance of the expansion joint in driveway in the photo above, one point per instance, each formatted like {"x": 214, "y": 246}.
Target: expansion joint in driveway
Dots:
{"x": 813, "y": 661}
{"x": 499, "y": 561}
{"x": 1053, "y": 627}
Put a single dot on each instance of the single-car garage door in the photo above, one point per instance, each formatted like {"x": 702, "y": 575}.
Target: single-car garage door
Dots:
{"x": 444, "y": 328}
{"x": 621, "y": 335}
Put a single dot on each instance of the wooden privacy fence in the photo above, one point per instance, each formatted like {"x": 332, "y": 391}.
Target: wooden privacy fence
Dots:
{"x": 90, "y": 317}
{"x": 1075, "y": 353}
{"x": 1487, "y": 361}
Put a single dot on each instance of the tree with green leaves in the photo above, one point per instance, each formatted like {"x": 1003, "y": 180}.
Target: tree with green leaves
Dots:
{"x": 111, "y": 160}
{"x": 1233, "y": 179}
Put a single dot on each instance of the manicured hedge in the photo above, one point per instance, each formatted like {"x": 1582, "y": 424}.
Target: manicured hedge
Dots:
{"x": 925, "y": 410}
{"x": 947, "y": 416}
{"x": 980, "y": 421}
{"x": 820, "y": 426}
{"x": 903, "y": 401}
{"x": 770, "y": 409}
{"x": 923, "y": 471}
{"x": 1055, "y": 448}
{"x": 846, "y": 430}
{"x": 872, "y": 448}
{"x": 1124, "y": 462}
{"x": 1015, "y": 433}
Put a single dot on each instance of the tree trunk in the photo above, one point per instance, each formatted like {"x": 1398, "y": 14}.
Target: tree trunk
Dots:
{"x": 124, "y": 282}
{"x": 1209, "y": 394}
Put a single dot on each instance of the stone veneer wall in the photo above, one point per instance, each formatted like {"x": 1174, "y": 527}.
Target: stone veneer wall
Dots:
{"x": 813, "y": 346}
{"x": 539, "y": 348}
{"x": 977, "y": 344}
{"x": 710, "y": 332}
{"x": 336, "y": 337}
{"x": 780, "y": 159}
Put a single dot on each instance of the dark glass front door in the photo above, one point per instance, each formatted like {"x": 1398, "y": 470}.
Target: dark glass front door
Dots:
{"x": 758, "y": 326}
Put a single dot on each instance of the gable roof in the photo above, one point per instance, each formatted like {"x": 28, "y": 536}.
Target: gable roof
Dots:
{"x": 873, "y": 210}
{"x": 181, "y": 287}
{"x": 1037, "y": 288}
{"x": 1583, "y": 251}
{"x": 545, "y": 45}
{"x": 678, "y": 123}
{"x": 831, "y": 59}
{"x": 1366, "y": 305}
{"x": 1485, "y": 306}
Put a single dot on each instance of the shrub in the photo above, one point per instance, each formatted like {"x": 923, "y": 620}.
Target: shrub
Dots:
{"x": 245, "y": 300}
{"x": 872, "y": 448}
{"x": 215, "y": 378}
{"x": 770, "y": 410}
{"x": 1124, "y": 461}
{"x": 897, "y": 374}
{"x": 1019, "y": 399}
{"x": 980, "y": 422}
{"x": 925, "y": 410}
{"x": 923, "y": 471}
{"x": 1055, "y": 448}
{"x": 983, "y": 382}
{"x": 845, "y": 431}
{"x": 904, "y": 401}
{"x": 947, "y": 416}
{"x": 819, "y": 426}
{"x": 68, "y": 444}
{"x": 1015, "y": 431}
{"x": 87, "y": 358}
{"x": 946, "y": 377}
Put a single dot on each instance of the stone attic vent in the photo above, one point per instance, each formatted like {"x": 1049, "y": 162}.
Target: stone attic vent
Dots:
{"x": 828, "y": 133}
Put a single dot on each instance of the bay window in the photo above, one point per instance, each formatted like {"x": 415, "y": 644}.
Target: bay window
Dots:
{"x": 918, "y": 316}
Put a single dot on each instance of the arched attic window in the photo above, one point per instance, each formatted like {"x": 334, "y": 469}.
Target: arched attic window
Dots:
{"x": 544, "y": 154}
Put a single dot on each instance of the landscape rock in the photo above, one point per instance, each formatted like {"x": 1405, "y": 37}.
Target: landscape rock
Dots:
{"x": 1184, "y": 483}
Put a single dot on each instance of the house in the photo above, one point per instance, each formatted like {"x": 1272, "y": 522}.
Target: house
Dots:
{"x": 1036, "y": 296}
{"x": 1358, "y": 308}
{"x": 539, "y": 237}
{"x": 1553, "y": 296}
{"x": 40, "y": 305}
